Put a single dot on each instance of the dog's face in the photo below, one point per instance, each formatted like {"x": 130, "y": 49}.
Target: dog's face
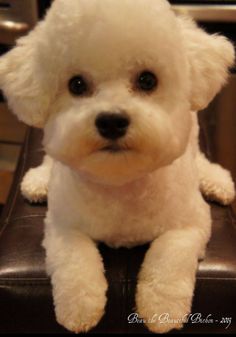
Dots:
{"x": 123, "y": 105}
{"x": 116, "y": 86}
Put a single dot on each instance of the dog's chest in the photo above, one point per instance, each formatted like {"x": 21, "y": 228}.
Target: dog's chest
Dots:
{"x": 124, "y": 216}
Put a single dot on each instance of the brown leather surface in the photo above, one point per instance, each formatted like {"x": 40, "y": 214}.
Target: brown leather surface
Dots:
{"x": 25, "y": 292}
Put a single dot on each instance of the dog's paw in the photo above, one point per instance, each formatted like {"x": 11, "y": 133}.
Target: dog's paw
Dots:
{"x": 82, "y": 310}
{"x": 80, "y": 318}
{"x": 217, "y": 185}
{"x": 162, "y": 307}
{"x": 34, "y": 186}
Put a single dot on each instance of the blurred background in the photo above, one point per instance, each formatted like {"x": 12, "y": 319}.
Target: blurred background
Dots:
{"x": 17, "y": 17}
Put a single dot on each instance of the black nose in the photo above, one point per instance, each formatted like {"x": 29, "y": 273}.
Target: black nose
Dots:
{"x": 112, "y": 125}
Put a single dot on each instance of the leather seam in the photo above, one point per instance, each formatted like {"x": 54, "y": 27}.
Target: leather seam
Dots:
{"x": 27, "y": 217}
{"x": 217, "y": 278}
{"x": 39, "y": 280}
{"x": 25, "y": 283}
{"x": 24, "y": 279}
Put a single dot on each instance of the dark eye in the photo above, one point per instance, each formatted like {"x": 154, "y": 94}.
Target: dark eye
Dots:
{"x": 147, "y": 81}
{"x": 78, "y": 86}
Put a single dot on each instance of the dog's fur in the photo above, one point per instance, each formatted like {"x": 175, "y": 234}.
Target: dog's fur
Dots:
{"x": 149, "y": 191}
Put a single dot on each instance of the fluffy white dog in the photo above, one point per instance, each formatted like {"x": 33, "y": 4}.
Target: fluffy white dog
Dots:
{"x": 116, "y": 86}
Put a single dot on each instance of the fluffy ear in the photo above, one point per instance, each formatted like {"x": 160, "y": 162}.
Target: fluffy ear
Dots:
{"x": 22, "y": 82}
{"x": 210, "y": 57}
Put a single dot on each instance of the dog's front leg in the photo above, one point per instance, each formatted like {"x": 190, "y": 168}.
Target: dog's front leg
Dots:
{"x": 34, "y": 186}
{"x": 167, "y": 278}
{"x": 77, "y": 276}
{"x": 216, "y": 183}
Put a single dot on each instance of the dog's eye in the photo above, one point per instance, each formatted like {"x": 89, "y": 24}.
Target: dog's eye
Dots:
{"x": 147, "y": 81}
{"x": 78, "y": 86}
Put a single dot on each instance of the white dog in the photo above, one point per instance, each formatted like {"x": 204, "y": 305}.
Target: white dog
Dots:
{"x": 116, "y": 86}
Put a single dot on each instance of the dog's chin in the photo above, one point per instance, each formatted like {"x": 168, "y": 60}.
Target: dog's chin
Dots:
{"x": 115, "y": 165}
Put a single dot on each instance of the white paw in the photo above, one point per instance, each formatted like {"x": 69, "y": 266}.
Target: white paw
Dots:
{"x": 34, "y": 185}
{"x": 219, "y": 186}
{"x": 162, "y": 307}
{"x": 80, "y": 310}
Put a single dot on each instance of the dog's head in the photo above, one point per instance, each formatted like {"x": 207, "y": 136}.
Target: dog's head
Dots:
{"x": 113, "y": 82}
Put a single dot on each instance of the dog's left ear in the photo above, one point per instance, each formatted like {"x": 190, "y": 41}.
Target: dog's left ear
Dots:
{"x": 23, "y": 82}
{"x": 210, "y": 57}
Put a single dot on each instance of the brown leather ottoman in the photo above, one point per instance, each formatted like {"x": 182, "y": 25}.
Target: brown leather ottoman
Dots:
{"x": 25, "y": 293}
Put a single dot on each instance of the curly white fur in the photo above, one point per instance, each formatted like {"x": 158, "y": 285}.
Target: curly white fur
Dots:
{"x": 215, "y": 182}
{"x": 34, "y": 185}
{"x": 147, "y": 192}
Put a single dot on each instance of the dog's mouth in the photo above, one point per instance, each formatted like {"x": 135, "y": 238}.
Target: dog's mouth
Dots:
{"x": 114, "y": 148}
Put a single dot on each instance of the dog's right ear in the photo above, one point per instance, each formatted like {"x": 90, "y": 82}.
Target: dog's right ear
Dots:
{"x": 23, "y": 82}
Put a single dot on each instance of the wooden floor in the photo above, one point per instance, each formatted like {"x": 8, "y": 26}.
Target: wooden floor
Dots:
{"x": 5, "y": 183}
{"x": 11, "y": 130}
{"x": 11, "y": 139}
